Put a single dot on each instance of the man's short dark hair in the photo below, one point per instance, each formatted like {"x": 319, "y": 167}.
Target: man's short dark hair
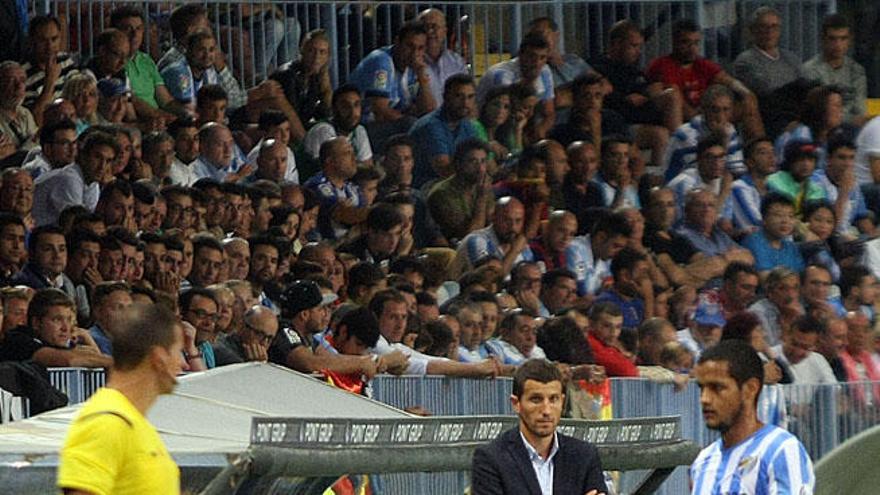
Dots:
{"x": 142, "y": 327}
{"x": 838, "y": 142}
{"x": 38, "y": 21}
{"x": 7, "y": 218}
{"x": 104, "y": 289}
{"x": 743, "y": 362}
{"x": 120, "y": 186}
{"x": 455, "y": 81}
{"x": 621, "y": 29}
{"x": 345, "y": 89}
{"x": 180, "y": 124}
{"x": 77, "y": 237}
{"x": 398, "y": 140}
{"x": 851, "y": 277}
{"x": 539, "y": 20}
{"x": 206, "y": 241}
{"x": 774, "y": 198}
{"x": 539, "y": 370}
{"x": 683, "y": 26}
{"x": 604, "y": 308}
{"x": 186, "y": 297}
{"x": 533, "y": 41}
{"x": 383, "y": 217}
{"x": 612, "y": 224}
{"x": 363, "y": 274}
{"x": 404, "y": 264}
{"x": 123, "y": 12}
{"x": 731, "y": 273}
{"x": 37, "y": 233}
{"x": 834, "y": 21}
{"x": 550, "y": 278}
{"x": 626, "y": 259}
{"x": 584, "y": 81}
{"x": 377, "y": 304}
{"x": 211, "y": 92}
{"x": 411, "y": 28}
{"x": 98, "y": 138}
{"x": 363, "y": 324}
{"x": 182, "y": 17}
{"x": 46, "y": 298}
{"x": 271, "y": 117}
{"x": 465, "y": 147}
{"x": 711, "y": 140}
{"x": 47, "y": 132}
{"x": 752, "y": 146}
{"x": 809, "y": 324}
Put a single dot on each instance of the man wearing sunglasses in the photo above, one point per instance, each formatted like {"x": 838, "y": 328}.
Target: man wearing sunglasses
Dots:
{"x": 252, "y": 343}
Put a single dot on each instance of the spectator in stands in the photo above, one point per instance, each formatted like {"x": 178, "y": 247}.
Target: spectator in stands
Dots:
{"x": 81, "y": 90}
{"x": 199, "y": 308}
{"x": 530, "y": 68}
{"x": 345, "y": 121}
{"x": 780, "y": 306}
{"x": 185, "y": 77}
{"x": 51, "y": 337}
{"x": 632, "y": 96}
{"x": 109, "y": 300}
{"x": 709, "y": 174}
{"x": 17, "y": 194}
{"x": 471, "y": 345}
{"x": 384, "y": 226}
{"x": 741, "y": 214}
{"x": 341, "y": 200}
{"x": 856, "y": 359}
{"x": 613, "y": 186}
{"x": 838, "y": 181}
{"x": 816, "y": 248}
{"x": 738, "y": 288}
{"x": 396, "y": 82}
{"x": 439, "y": 132}
{"x": 517, "y": 339}
{"x": 77, "y": 183}
{"x": 820, "y": 119}
{"x": 275, "y": 125}
{"x": 771, "y": 246}
{"x": 462, "y": 203}
{"x": 84, "y": 249}
{"x": 858, "y": 290}
{"x": 565, "y": 67}
{"x": 832, "y": 66}
{"x": 699, "y": 228}
{"x": 816, "y": 294}
{"x": 186, "y": 150}
{"x": 558, "y": 292}
{"x": 442, "y": 62}
{"x": 116, "y": 205}
{"x": 12, "y": 248}
{"x": 746, "y": 327}
{"x": 588, "y": 120}
{"x": 57, "y": 148}
{"x": 797, "y": 352}
{"x": 503, "y": 238}
{"x": 306, "y": 82}
{"x": 606, "y": 323}
{"x": 583, "y": 161}
{"x": 112, "y": 52}
{"x": 252, "y": 343}
{"x": 631, "y": 289}
{"x": 47, "y": 258}
{"x": 793, "y": 179}
{"x": 207, "y": 263}
{"x": 832, "y": 343}
{"x": 685, "y": 70}
{"x": 217, "y": 151}
{"x": 47, "y": 68}
{"x": 654, "y": 335}
{"x": 148, "y": 91}
{"x": 765, "y": 67}
{"x": 715, "y": 116}
{"x": 551, "y": 246}
{"x": 18, "y": 131}
{"x": 159, "y": 156}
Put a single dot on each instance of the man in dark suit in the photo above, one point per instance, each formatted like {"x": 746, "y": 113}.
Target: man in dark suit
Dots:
{"x": 533, "y": 459}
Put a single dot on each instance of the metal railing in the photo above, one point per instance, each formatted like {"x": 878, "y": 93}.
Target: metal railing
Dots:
{"x": 484, "y": 32}
{"x": 822, "y": 416}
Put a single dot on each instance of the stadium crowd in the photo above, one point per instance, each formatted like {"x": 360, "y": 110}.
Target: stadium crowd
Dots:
{"x": 614, "y": 218}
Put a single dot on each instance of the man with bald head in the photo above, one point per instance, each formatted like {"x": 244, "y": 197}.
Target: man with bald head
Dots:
{"x": 503, "y": 238}
{"x": 216, "y": 152}
{"x": 252, "y": 342}
{"x": 341, "y": 202}
{"x": 271, "y": 161}
{"x": 700, "y": 216}
{"x": 441, "y": 62}
{"x": 550, "y": 247}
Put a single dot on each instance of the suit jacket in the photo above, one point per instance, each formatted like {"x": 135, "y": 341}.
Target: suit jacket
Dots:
{"x": 503, "y": 467}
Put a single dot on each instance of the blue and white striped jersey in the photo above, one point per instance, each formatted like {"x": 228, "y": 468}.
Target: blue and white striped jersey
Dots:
{"x": 772, "y": 461}
{"x": 681, "y": 153}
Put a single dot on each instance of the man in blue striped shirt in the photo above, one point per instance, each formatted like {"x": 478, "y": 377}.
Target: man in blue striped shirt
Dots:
{"x": 750, "y": 457}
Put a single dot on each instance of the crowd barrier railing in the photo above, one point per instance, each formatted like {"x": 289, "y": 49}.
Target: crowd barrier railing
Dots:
{"x": 259, "y": 35}
{"x": 822, "y": 416}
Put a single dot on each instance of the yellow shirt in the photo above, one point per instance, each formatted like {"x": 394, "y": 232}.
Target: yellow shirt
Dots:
{"x": 111, "y": 448}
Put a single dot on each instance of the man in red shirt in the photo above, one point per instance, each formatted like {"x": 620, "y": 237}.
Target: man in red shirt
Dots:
{"x": 606, "y": 323}
{"x": 692, "y": 74}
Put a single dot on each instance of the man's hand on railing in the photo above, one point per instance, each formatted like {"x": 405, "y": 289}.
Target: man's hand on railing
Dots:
{"x": 772, "y": 373}
{"x": 680, "y": 381}
{"x": 394, "y": 362}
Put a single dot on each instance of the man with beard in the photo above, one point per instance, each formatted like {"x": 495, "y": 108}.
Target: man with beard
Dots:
{"x": 266, "y": 252}
{"x": 503, "y": 238}
{"x": 100, "y": 454}
{"x": 345, "y": 122}
{"x": 767, "y": 459}
{"x": 185, "y": 77}
{"x": 437, "y": 133}
{"x": 462, "y": 202}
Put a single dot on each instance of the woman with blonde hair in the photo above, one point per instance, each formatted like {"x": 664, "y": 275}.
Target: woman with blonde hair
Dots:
{"x": 82, "y": 90}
